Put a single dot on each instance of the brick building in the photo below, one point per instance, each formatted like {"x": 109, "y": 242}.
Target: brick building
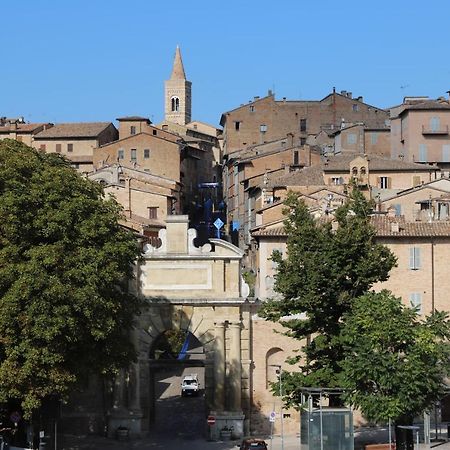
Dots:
{"x": 266, "y": 119}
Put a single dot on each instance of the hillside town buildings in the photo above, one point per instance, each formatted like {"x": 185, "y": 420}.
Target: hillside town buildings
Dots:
{"x": 175, "y": 179}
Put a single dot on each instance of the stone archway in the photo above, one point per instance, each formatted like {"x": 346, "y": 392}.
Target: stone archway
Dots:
{"x": 200, "y": 290}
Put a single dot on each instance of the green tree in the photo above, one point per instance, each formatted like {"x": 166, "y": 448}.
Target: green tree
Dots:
{"x": 64, "y": 265}
{"x": 325, "y": 270}
{"x": 396, "y": 362}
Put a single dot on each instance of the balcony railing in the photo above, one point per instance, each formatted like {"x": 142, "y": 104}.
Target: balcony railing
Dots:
{"x": 441, "y": 130}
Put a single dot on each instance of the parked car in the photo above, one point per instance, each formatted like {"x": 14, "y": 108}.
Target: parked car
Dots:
{"x": 253, "y": 444}
{"x": 190, "y": 385}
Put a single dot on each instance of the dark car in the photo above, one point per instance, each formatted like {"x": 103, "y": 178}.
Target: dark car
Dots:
{"x": 253, "y": 444}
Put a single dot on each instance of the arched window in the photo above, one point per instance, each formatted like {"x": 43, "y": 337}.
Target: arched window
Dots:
{"x": 274, "y": 357}
{"x": 175, "y": 104}
{"x": 363, "y": 170}
{"x": 355, "y": 171}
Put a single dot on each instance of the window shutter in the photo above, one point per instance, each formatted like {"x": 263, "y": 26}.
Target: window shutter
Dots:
{"x": 446, "y": 153}
{"x": 415, "y": 300}
{"x": 389, "y": 182}
{"x": 398, "y": 209}
{"x": 422, "y": 153}
{"x": 417, "y": 258}
{"x": 411, "y": 258}
{"x": 416, "y": 180}
{"x": 379, "y": 182}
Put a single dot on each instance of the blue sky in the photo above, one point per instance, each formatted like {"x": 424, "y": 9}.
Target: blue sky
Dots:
{"x": 97, "y": 60}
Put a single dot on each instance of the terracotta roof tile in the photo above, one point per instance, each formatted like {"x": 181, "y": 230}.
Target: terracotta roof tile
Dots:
{"x": 22, "y": 127}
{"x": 73, "y": 130}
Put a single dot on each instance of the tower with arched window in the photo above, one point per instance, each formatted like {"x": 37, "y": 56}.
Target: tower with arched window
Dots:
{"x": 178, "y": 94}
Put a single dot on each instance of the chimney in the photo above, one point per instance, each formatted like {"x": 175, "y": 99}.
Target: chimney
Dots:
{"x": 395, "y": 228}
{"x": 360, "y": 99}
{"x": 448, "y": 93}
{"x": 344, "y": 93}
{"x": 177, "y": 234}
{"x": 269, "y": 92}
{"x": 256, "y": 97}
{"x": 284, "y": 99}
{"x": 349, "y": 94}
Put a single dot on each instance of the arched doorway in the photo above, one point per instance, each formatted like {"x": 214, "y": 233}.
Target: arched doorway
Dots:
{"x": 174, "y": 355}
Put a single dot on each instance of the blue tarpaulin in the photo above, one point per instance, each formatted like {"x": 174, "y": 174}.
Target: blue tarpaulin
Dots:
{"x": 185, "y": 348}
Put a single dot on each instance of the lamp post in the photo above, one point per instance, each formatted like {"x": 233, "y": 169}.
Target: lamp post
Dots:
{"x": 280, "y": 373}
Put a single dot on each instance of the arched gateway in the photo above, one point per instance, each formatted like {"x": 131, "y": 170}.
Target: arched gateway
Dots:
{"x": 198, "y": 290}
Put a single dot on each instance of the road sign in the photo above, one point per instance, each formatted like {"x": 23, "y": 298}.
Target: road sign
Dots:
{"x": 211, "y": 420}
{"x": 218, "y": 224}
{"x": 15, "y": 417}
{"x": 272, "y": 416}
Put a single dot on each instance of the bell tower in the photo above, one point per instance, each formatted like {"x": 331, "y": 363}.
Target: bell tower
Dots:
{"x": 178, "y": 94}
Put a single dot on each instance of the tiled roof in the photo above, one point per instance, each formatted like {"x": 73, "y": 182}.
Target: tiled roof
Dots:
{"x": 309, "y": 176}
{"x": 133, "y": 119}
{"x": 73, "y": 130}
{"x": 385, "y": 227}
{"x": 428, "y": 105}
{"x": 341, "y": 162}
{"x": 22, "y": 127}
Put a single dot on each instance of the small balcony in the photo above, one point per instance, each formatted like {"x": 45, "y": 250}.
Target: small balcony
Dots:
{"x": 442, "y": 130}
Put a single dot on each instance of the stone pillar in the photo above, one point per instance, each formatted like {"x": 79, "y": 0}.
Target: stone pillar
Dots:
{"x": 235, "y": 367}
{"x": 135, "y": 377}
{"x": 219, "y": 367}
{"x": 119, "y": 391}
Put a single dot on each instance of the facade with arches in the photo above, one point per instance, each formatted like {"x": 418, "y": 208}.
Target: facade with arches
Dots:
{"x": 200, "y": 291}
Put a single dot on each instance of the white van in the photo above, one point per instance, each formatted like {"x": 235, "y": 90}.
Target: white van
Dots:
{"x": 190, "y": 385}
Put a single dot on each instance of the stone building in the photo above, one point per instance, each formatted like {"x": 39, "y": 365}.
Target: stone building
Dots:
{"x": 266, "y": 119}
{"x": 76, "y": 141}
{"x": 420, "y": 131}
{"x": 18, "y": 129}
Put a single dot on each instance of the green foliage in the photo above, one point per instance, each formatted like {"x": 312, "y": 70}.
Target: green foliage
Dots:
{"x": 325, "y": 270}
{"x": 395, "y": 363}
{"x": 64, "y": 262}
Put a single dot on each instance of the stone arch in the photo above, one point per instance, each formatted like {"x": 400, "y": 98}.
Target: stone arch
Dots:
{"x": 274, "y": 356}
{"x": 160, "y": 318}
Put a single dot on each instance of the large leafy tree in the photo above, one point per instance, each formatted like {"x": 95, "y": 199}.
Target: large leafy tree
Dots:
{"x": 327, "y": 267}
{"x": 396, "y": 363}
{"x": 64, "y": 265}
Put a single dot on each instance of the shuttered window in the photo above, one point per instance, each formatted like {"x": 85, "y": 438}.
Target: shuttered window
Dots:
{"x": 414, "y": 258}
{"x": 422, "y": 153}
{"x": 446, "y": 153}
{"x": 415, "y": 300}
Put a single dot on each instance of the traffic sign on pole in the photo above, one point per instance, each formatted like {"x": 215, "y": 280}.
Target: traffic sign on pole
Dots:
{"x": 211, "y": 420}
{"x": 272, "y": 416}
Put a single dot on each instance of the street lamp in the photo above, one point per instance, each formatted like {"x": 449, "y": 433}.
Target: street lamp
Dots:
{"x": 279, "y": 372}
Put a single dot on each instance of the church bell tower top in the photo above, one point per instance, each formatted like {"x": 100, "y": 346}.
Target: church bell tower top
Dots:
{"x": 178, "y": 69}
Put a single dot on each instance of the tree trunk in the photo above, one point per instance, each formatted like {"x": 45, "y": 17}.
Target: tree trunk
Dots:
{"x": 404, "y": 437}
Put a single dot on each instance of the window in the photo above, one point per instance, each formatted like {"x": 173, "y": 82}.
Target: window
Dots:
{"x": 303, "y": 125}
{"x": 155, "y": 132}
{"x": 296, "y": 158}
{"x": 363, "y": 171}
{"x": 120, "y": 153}
{"x": 415, "y": 300}
{"x": 175, "y": 104}
{"x": 337, "y": 181}
{"x": 398, "y": 209}
{"x": 302, "y": 141}
{"x": 351, "y": 138}
{"x": 435, "y": 124}
{"x": 263, "y": 128}
{"x": 422, "y": 153}
{"x": 237, "y": 125}
{"x": 414, "y": 258}
{"x": 152, "y": 212}
{"x": 133, "y": 154}
{"x": 251, "y": 108}
{"x": 384, "y": 183}
{"x": 416, "y": 180}
{"x": 132, "y": 129}
{"x": 58, "y": 148}
{"x": 355, "y": 107}
{"x": 69, "y": 148}
{"x": 146, "y": 153}
{"x": 446, "y": 153}
{"x": 373, "y": 138}
{"x": 355, "y": 171}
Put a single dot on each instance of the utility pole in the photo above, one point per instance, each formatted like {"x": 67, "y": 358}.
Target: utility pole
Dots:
{"x": 280, "y": 373}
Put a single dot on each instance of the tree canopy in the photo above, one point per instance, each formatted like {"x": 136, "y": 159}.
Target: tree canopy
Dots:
{"x": 396, "y": 362}
{"x": 64, "y": 265}
{"x": 326, "y": 268}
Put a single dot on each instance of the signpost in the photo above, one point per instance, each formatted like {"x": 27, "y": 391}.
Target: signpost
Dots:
{"x": 218, "y": 224}
{"x": 272, "y": 417}
{"x": 211, "y": 420}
